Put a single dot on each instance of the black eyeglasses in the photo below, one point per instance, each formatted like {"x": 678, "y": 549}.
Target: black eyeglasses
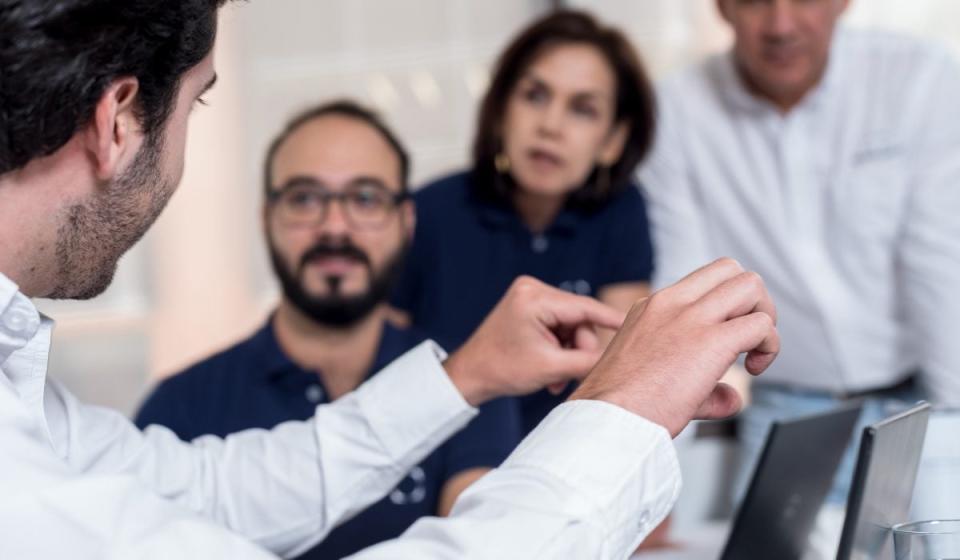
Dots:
{"x": 367, "y": 203}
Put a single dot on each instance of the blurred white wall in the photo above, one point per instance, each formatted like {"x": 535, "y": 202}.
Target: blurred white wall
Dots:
{"x": 200, "y": 280}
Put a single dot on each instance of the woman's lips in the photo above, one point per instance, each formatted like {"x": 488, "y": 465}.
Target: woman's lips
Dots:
{"x": 544, "y": 160}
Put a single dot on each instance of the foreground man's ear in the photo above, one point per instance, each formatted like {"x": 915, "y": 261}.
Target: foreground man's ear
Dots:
{"x": 114, "y": 129}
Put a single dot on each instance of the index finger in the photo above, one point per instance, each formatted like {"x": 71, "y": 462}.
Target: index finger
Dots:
{"x": 698, "y": 283}
{"x": 563, "y": 309}
{"x": 756, "y": 334}
{"x": 743, "y": 294}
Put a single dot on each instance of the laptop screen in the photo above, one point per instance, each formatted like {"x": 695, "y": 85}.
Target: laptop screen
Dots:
{"x": 791, "y": 479}
{"x": 883, "y": 484}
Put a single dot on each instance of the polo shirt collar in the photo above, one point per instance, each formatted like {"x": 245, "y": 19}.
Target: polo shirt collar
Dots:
{"x": 495, "y": 215}
{"x": 732, "y": 87}
{"x": 393, "y": 342}
{"x": 267, "y": 352}
{"x": 274, "y": 363}
{"x": 501, "y": 216}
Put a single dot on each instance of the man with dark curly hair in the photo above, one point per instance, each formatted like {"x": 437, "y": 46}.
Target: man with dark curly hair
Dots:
{"x": 94, "y": 101}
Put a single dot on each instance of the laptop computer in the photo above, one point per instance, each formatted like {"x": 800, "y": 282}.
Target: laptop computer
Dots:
{"x": 883, "y": 484}
{"x": 791, "y": 480}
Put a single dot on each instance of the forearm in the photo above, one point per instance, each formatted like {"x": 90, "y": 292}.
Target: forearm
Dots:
{"x": 590, "y": 482}
{"x": 286, "y": 488}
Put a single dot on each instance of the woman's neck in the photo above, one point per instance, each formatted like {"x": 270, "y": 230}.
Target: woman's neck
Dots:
{"x": 537, "y": 211}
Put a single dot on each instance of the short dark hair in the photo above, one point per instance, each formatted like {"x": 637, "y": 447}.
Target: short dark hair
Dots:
{"x": 57, "y": 57}
{"x": 344, "y": 108}
{"x": 635, "y": 103}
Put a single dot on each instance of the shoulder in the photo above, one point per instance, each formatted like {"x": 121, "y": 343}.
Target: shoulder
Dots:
{"x": 629, "y": 197}
{"x": 225, "y": 361}
{"x": 693, "y": 96}
{"x": 183, "y": 400}
{"x": 900, "y": 83}
{"x": 890, "y": 45}
{"x": 207, "y": 372}
{"x": 444, "y": 206}
{"x": 695, "y": 82}
{"x": 449, "y": 189}
{"x": 397, "y": 341}
{"x": 626, "y": 206}
{"x": 394, "y": 342}
{"x": 410, "y": 337}
{"x": 897, "y": 61}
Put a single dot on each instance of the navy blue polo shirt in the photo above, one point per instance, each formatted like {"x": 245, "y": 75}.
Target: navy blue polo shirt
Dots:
{"x": 467, "y": 251}
{"x": 255, "y": 385}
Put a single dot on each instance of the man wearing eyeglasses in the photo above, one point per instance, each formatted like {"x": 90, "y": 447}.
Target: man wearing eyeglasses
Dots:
{"x": 337, "y": 219}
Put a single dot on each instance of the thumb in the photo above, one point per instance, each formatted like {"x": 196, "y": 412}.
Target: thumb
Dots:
{"x": 569, "y": 364}
{"x": 722, "y": 402}
{"x": 557, "y": 388}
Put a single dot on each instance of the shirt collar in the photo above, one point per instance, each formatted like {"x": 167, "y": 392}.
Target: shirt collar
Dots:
{"x": 501, "y": 216}
{"x": 19, "y": 318}
{"x": 274, "y": 363}
{"x": 732, "y": 87}
{"x": 393, "y": 342}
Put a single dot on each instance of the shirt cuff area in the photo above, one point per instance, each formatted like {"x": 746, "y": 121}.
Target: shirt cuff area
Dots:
{"x": 622, "y": 467}
{"x": 412, "y": 403}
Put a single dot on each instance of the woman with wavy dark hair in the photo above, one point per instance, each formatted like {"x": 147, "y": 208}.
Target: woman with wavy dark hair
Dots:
{"x": 568, "y": 116}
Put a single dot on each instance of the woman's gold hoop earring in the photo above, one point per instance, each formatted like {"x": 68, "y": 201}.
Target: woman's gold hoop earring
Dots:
{"x": 502, "y": 163}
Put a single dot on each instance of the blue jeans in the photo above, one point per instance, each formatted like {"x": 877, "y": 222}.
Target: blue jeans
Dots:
{"x": 771, "y": 402}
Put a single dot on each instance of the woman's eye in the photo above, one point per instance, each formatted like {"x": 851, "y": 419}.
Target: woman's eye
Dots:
{"x": 535, "y": 94}
{"x": 585, "y": 110}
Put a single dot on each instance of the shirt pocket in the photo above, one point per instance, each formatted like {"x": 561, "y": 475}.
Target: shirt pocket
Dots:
{"x": 873, "y": 194}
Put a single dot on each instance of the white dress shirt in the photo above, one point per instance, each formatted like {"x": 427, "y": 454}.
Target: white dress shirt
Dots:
{"x": 81, "y": 482}
{"x": 848, "y": 206}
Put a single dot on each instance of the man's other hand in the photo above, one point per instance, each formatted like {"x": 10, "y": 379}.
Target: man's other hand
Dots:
{"x": 536, "y": 336}
{"x": 666, "y": 361}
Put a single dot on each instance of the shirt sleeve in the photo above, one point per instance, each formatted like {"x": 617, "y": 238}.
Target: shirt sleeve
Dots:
{"x": 626, "y": 252}
{"x": 286, "y": 488}
{"x": 486, "y": 441}
{"x": 929, "y": 250}
{"x": 590, "y": 482}
{"x": 50, "y": 510}
{"x": 679, "y": 237}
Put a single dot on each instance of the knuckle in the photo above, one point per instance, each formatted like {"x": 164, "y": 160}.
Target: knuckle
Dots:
{"x": 728, "y": 263}
{"x": 524, "y": 285}
{"x": 763, "y": 321}
{"x": 640, "y": 304}
{"x": 655, "y": 301}
{"x": 753, "y": 280}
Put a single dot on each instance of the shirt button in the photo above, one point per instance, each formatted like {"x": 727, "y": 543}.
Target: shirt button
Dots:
{"x": 644, "y": 519}
{"x": 540, "y": 244}
{"x": 16, "y": 321}
{"x": 581, "y": 287}
{"x": 314, "y": 394}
